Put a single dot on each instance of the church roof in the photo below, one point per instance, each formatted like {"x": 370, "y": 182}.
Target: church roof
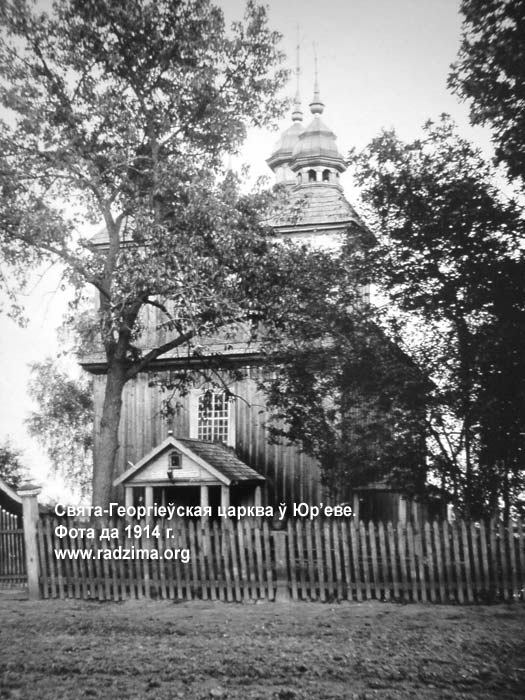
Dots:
{"x": 214, "y": 457}
{"x": 316, "y": 146}
{"x": 282, "y": 152}
{"x": 223, "y": 459}
{"x": 315, "y": 204}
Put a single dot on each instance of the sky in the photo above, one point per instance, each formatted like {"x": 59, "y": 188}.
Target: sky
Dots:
{"x": 382, "y": 64}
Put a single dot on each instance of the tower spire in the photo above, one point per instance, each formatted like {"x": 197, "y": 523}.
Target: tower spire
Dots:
{"x": 316, "y": 106}
{"x": 297, "y": 114}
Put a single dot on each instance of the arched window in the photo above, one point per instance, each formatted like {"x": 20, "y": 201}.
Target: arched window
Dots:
{"x": 299, "y": 178}
{"x": 213, "y": 417}
{"x": 326, "y": 176}
{"x": 312, "y": 176}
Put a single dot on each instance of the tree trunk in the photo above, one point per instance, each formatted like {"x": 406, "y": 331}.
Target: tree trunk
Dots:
{"x": 107, "y": 444}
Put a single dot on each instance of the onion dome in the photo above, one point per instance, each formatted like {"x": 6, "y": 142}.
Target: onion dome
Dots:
{"x": 282, "y": 152}
{"x": 316, "y": 145}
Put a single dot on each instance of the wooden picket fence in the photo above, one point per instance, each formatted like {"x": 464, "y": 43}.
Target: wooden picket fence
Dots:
{"x": 12, "y": 552}
{"x": 322, "y": 560}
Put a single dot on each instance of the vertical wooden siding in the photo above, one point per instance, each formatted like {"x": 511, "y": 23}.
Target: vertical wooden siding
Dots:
{"x": 324, "y": 560}
{"x": 291, "y": 475}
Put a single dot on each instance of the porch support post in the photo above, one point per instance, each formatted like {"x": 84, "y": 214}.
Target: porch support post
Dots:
{"x": 29, "y": 493}
{"x": 204, "y": 498}
{"x": 128, "y": 495}
{"x": 148, "y": 496}
{"x": 225, "y": 496}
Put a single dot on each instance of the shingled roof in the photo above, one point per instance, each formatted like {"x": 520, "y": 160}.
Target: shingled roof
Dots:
{"x": 316, "y": 204}
{"x": 223, "y": 459}
{"x": 214, "y": 457}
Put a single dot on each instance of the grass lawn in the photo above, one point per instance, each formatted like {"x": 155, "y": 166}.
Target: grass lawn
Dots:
{"x": 67, "y": 650}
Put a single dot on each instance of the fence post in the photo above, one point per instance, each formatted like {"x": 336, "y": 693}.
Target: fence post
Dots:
{"x": 282, "y": 593}
{"x": 29, "y": 493}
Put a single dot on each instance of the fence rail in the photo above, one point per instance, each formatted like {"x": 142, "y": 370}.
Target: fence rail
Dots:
{"x": 12, "y": 552}
{"x": 320, "y": 560}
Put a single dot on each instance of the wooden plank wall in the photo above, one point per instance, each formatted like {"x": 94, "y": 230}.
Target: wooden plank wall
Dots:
{"x": 292, "y": 476}
{"x": 325, "y": 560}
{"x": 12, "y": 551}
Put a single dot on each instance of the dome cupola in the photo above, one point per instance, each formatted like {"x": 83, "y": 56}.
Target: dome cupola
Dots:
{"x": 279, "y": 161}
{"x": 315, "y": 156}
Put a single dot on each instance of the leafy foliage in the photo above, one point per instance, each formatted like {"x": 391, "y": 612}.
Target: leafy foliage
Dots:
{"x": 12, "y": 469}
{"x": 339, "y": 387}
{"x": 122, "y": 112}
{"x": 63, "y": 422}
{"x": 490, "y": 74}
{"x": 450, "y": 259}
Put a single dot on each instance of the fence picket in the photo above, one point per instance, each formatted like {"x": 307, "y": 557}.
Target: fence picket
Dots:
{"x": 248, "y": 540}
{"x": 218, "y": 563}
{"x": 487, "y": 591}
{"x": 339, "y": 579}
{"x": 268, "y": 562}
{"x": 327, "y": 549}
{"x": 457, "y": 563}
{"x": 292, "y": 558}
{"x": 394, "y": 568}
{"x": 447, "y": 562}
{"x": 310, "y": 556}
{"x": 512, "y": 559}
{"x": 364, "y": 559}
{"x": 300, "y": 539}
{"x": 347, "y": 564}
{"x": 373, "y": 556}
{"x": 412, "y": 562}
{"x": 430, "y": 563}
{"x": 418, "y": 550}
{"x": 493, "y": 561}
{"x": 384, "y": 562}
{"x": 323, "y": 560}
{"x": 466, "y": 561}
{"x": 521, "y": 555}
{"x": 503, "y": 559}
{"x": 402, "y": 545}
{"x": 259, "y": 563}
{"x": 476, "y": 561}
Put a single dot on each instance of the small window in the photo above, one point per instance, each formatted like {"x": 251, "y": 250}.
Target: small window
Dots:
{"x": 326, "y": 176}
{"x": 312, "y": 176}
{"x": 175, "y": 461}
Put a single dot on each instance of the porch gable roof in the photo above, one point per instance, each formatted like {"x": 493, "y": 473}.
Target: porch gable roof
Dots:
{"x": 215, "y": 458}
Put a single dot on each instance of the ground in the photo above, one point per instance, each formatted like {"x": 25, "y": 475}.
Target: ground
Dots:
{"x": 302, "y": 651}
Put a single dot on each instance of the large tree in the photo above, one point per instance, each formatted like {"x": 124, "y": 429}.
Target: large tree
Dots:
{"x": 450, "y": 260}
{"x": 121, "y": 112}
{"x": 490, "y": 74}
{"x": 338, "y": 386}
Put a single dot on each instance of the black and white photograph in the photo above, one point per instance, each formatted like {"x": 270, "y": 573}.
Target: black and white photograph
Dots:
{"x": 262, "y": 345}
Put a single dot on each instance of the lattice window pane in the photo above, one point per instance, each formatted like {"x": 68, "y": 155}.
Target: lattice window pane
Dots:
{"x": 213, "y": 418}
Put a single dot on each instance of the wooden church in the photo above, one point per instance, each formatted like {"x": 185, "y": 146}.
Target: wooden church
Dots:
{"x": 215, "y": 450}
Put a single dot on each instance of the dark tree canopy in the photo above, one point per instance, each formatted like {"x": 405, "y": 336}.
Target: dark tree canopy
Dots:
{"x": 450, "y": 259}
{"x": 490, "y": 74}
{"x": 338, "y": 387}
